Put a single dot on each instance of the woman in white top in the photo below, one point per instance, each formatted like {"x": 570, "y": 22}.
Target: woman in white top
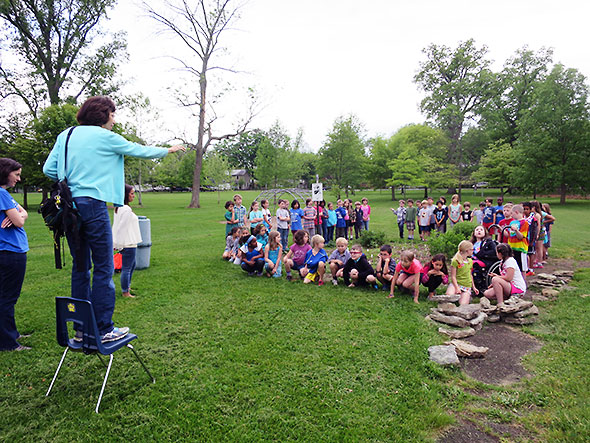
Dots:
{"x": 510, "y": 282}
{"x": 126, "y": 236}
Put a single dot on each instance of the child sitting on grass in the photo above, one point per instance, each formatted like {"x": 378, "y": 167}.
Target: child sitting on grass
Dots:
{"x": 358, "y": 271}
{"x": 434, "y": 274}
{"x": 261, "y": 234}
{"x": 273, "y": 253}
{"x": 461, "y": 278}
{"x": 231, "y": 242}
{"x": 295, "y": 258}
{"x": 252, "y": 256}
{"x": 315, "y": 262}
{"x": 338, "y": 258}
{"x": 385, "y": 267}
{"x": 407, "y": 274}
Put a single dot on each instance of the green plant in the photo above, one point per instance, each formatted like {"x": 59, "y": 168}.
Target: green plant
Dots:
{"x": 372, "y": 239}
{"x": 465, "y": 229}
{"x": 447, "y": 243}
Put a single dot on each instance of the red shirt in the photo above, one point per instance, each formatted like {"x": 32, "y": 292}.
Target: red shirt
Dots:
{"x": 415, "y": 267}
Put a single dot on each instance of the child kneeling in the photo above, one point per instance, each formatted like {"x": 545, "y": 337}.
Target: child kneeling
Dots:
{"x": 252, "y": 257}
{"x": 338, "y": 259}
{"x": 407, "y": 274}
{"x": 358, "y": 271}
{"x": 315, "y": 262}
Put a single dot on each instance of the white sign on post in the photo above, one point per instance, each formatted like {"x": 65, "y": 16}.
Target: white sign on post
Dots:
{"x": 317, "y": 192}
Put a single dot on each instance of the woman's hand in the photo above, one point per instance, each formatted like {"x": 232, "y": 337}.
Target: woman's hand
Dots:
{"x": 6, "y": 223}
{"x": 176, "y": 148}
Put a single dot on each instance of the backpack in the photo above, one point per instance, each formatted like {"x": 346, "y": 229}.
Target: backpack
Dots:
{"x": 60, "y": 214}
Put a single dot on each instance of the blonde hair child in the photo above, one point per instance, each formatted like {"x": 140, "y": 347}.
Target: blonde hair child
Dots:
{"x": 461, "y": 278}
{"x": 315, "y": 262}
{"x": 407, "y": 274}
{"x": 273, "y": 253}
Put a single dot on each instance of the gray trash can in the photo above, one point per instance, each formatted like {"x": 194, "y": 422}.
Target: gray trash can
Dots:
{"x": 142, "y": 259}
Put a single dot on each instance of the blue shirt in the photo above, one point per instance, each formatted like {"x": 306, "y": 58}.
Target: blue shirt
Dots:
{"x": 312, "y": 261}
{"x": 95, "y": 162}
{"x": 332, "y": 217}
{"x": 12, "y": 239}
{"x": 499, "y": 213}
{"x": 488, "y": 214}
{"x": 340, "y": 214}
{"x": 296, "y": 215}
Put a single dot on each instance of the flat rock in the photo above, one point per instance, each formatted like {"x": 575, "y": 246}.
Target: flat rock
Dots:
{"x": 539, "y": 297}
{"x": 562, "y": 273}
{"x": 478, "y": 320}
{"x": 494, "y": 318}
{"x": 585, "y": 295}
{"x": 466, "y": 311}
{"x": 457, "y": 333}
{"x": 485, "y": 303}
{"x": 548, "y": 292}
{"x": 449, "y": 319}
{"x": 445, "y": 298}
{"x": 465, "y": 349}
{"x": 520, "y": 321}
{"x": 443, "y": 355}
{"x": 511, "y": 307}
{"x": 533, "y": 310}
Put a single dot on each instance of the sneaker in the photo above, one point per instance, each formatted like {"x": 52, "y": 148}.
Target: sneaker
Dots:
{"x": 321, "y": 283}
{"x": 115, "y": 334}
{"x": 289, "y": 278}
{"x": 22, "y": 348}
{"x": 538, "y": 266}
{"x": 335, "y": 282}
{"x": 529, "y": 273}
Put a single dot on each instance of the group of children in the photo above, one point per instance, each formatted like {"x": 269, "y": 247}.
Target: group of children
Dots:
{"x": 523, "y": 231}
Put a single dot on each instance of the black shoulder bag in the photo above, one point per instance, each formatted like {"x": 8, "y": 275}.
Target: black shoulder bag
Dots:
{"x": 60, "y": 214}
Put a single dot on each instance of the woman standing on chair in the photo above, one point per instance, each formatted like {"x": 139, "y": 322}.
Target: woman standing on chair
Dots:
{"x": 126, "y": 236}
{"x": 96, "y": 176}
{"x": 13, "y": 254}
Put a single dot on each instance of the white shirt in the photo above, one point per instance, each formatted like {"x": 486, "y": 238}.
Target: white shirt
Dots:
{"x": 126, "y": 233}
{"x": 517, "y": 280}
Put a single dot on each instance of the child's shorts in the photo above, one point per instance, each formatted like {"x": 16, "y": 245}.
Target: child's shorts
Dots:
{"x": 465, "y": 289}
{"x": 311, "y": 276}
{"x": 514, "y": 290}
{"x": 297, "y": 267}
{"x": 268, "y": 268}
{"x": 410, "y": 225}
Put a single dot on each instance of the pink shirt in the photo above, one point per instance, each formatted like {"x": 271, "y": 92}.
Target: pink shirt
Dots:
{"x": 366, "y": 212}
{"x": 415, "y": 267}
{"x": 299, "y": 252}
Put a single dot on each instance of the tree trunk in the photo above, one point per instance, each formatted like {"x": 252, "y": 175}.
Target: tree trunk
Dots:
{"x": 139, "y": 200}
{"x": 562, "y": 194}
{"x": 393, "y": 193}
{"x": 195, "y": 200}
{"x": 25, "y": 197}
{"x": 425, "y": 192}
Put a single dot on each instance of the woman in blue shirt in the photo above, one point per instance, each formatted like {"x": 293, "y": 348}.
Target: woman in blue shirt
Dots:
{"x": 95, "y": 174}
{"x": 13, "y": 254}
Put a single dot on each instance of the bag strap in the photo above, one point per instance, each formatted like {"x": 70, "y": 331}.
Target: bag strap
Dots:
{"x": 66, "y": 151}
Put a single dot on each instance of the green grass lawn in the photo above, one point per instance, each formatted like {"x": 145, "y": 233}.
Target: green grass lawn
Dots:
{"x": 239, "y": 358}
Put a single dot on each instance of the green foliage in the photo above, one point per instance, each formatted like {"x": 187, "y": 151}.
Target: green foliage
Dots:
{"x": 446, "y": 243}
{"x": 372, "y": 239}
{"x": 55, "y": 59}
{"x": 465, "y": 229}
{"x": 241, "y": 151}
{"x": 498, "y": 166}
{"x": 277, "y": 162}
{"x": 342, "y": 157}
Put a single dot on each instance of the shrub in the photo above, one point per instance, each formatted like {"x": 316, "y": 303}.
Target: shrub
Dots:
{"x": 372, "y": 239}
{"x": 448, "y": 242}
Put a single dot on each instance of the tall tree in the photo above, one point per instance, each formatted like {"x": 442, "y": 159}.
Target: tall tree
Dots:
{"x": 55, "y": 56}
{"x": 555, "y": 135}
{"x": 241, "y": 151}
{"x": 277, "y": 162}
{"x": 199, "y": 25}
{"x": 342, "y": 157}
{"x": 498, "y": 166}
{"x": 457, "y": 83}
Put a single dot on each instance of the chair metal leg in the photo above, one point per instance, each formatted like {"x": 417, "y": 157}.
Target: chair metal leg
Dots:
{"x": 141, "y": 362}
{"x": 101, "y": 360}
{"x": 104, "y": 383}
{"x": 57, "y": 372}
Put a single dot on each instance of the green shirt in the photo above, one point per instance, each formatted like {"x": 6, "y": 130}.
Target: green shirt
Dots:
{"x": 411, "y": 214}
{"x": 463, "y": 272}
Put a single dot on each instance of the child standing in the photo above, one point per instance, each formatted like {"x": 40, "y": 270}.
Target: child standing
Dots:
{"x": 510, "y": 281}
{"x": 366, "y": 213}
{"x": 230, "y": 221}
{"x": 266, "y": 217}
{"x": 341, "y": 215}
{"x": 454, "y": 210}
{"x": 505, "y": 222}
{"x": 478, "y": 213}
{"x": 466, "y": 213}
{"x": 518, "y": 238}
{"x": 400, "y": 213}
{"x": 434, "y": 274}
{"x": 440, "y": 216}
{"x": 533, "y": 221}
{"x": 350, "y": 217}
{"x": 461, "y": 278}
{"x": 283, "y": 219}
{"x": 358, "y": 219}
{"x": 323, "y": 220}
{"x": 240, "y": 212}
{"x": 273, "y": 253}
{"x": 489, "y": 213}
{"x": 331, "y": 223}
{"x": 296, "y": 214}
{"x": 309, "y": 216}
{"x": 295, "y": 258}
{"x": 407, "y": 274}
{"x": 385, "y": 267}
{"x": 358, "y": 271}
{"x": 411, "y": 219}
{"x": 315, "y": 262}
{"x": 256, "y": 216}
{"x": 424, "y": 221}
{"x": 338, "y": 258}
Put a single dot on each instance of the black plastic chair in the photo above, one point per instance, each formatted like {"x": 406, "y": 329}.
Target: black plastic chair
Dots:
{"x": 80, "y": 313}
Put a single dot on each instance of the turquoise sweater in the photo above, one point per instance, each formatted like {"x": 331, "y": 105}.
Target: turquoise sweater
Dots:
{"x": 95, "y": 162}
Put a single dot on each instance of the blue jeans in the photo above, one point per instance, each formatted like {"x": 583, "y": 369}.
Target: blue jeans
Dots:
{"x": 284, "y": 238}
{"x": 366, "y": 225}
{"x": 330, "y": 234}
{"x": 12, "y": 274}
{"x": 127, "y": 268}
{"x": 96, "y": 248}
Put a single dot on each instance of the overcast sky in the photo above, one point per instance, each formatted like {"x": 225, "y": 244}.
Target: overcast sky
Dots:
{"x": 314, "y": 60}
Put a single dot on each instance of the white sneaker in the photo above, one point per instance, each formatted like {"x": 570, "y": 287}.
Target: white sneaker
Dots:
{"x": 115, "y": 334}
{"x": 335, "y": 282}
